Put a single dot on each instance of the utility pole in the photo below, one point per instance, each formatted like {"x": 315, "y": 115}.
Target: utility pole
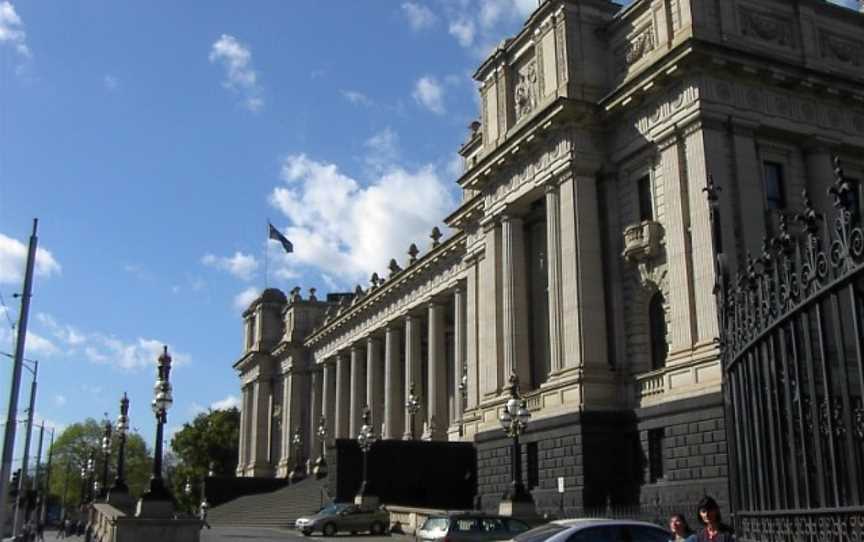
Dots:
{"x": 47, "y": 491}
{"x": 26, "y": 459}
{"x": 9, "y": 436}
{"x": 36, "y": 478}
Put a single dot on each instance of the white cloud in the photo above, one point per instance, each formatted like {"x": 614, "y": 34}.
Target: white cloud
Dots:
{"x": 232, "y": 401}
{"x": 347, "y": 230}
{"x": 242, "y": 266}
{"x": 111, "y": 82}
{"x": 463, "y": 31}
{"x": 137, "y": 354}
{"x": 383, "y": 148}
{"x": 13, "y": 260}
{"x": 244, "y": 298}
{"x": 240, "y": 76}
{"x": 430, "y": 94}
{"x": 60, "y": 400}
{"x": 356, "y": 98}
{"x": 12, "y": 30}
{"x": 35, "y": 345}
{"x": 63, "y": 332}
{"x": 418, "y": 15}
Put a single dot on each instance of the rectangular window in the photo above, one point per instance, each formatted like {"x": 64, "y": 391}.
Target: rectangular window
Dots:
{"x": 655, "y": 454}
{"x": 775, "y": 196}
{"x": 646, "y": 202}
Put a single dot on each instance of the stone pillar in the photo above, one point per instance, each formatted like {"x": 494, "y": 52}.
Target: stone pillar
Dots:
{"x": 244, "y": 422}
{"x": 328, "y": 397}
{"x": 343, "y": 396}
{"x": 358, "y": 390}
{"x": 260, "y": 428}
{"x": 489, "y": 292}
{"x": 375, "y": 382}
{"x": 458, "y": 350}
{"x": 471, "y": 325}
{"x": 412, "y": 370}
{"x": 285, "y": 449}
{"x": 751, "y": 192}
{"x": 820, "y": 177}
{"x": 394, "y": 395}
{"x": 553, "y": 263}
{"x": 583, "y": 306}
{"x": 436, "y": 420}
{"x": 315, "y": 410}
{"x": 514, "y": 300}
{"x": 680, "y": 302}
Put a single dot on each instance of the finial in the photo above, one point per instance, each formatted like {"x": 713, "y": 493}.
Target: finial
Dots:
{"x": 413, "y": 252}
{"x": 393, "y": 267}
{"x": 373, "y": 280}
{"x": 435, "y": 236}
{"x": 808, "y": 218}
{"x": 312, "y": 294}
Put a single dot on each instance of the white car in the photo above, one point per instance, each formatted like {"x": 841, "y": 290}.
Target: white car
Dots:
{"x": 595, "y": 530}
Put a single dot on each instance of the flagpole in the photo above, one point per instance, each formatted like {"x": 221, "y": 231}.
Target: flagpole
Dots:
{"x": 266, "y": 253}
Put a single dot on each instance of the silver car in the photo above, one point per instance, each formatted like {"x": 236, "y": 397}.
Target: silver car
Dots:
{"x": 344, "y": 517}
{"x": 469, "y": 527}
{"x": 595, "y": 530}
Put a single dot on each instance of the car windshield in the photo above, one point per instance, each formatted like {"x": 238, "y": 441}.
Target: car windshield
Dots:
{"x": 333, "y": 508}
{"x": 436, "y": 525}
{"x": 539, "y": 534}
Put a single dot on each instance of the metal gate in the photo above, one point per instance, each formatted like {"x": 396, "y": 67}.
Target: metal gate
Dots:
{"x": 792, "y": 338}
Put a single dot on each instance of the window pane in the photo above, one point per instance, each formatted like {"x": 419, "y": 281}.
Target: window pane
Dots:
{"x": 646, "y": 202}
{"x": 774, "y": 194}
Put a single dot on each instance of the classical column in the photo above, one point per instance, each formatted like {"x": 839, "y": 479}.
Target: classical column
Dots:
{"x": 820, "y": 177}
{"x": 343, "y": 396}
{"x": 328, "y": 397}
{"x": 394, "y": 396}
{"x": 471, "y": 321}
{"x": 459, "y": 367}
{"x": 244, "y": 416}
{"x": 553, "y": 263}
{"x": 315, "y": 408}
{"x": 285, "y": 448}
{"x": 514, "y": 300}
{"x": 489, "y": 328}
{"x": 358, "y": 389}
{"x": 375, "y": 382}
{"x": 437, "y": 380}
{"x": 412, "y": 370}
{"x": 260, "y": 428}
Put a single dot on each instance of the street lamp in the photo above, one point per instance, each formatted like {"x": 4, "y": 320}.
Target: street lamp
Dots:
{"x": 91, "y": 472}
{"x": 83, "y": 472}
{"x": 320, "y": 469}
{"x": 106, "y": 456}
{"x": 297, "y": 440}
{"x": 366, "y": 439}
{"x": 121, "y": 428}
{"x": 187, "y": 490}
{"x": 514, "y": 419}
{"x": 162, "y": 401}
{"x": 412, "y": 405}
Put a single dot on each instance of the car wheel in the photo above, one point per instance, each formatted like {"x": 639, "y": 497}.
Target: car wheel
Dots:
{"x": 377, "y": 528}
{"x": 306, "y": 532}
{"x": 329, "y": 529}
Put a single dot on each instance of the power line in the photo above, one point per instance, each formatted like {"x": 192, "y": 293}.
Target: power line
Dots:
{"x": 6, "y": 311}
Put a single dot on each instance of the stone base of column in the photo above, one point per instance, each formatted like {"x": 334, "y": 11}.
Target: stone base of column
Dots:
{"x": 455, "y": 432}
{"x": 121, "y": 500}
{"x": 260, "y": 470}
{"x": 148, "y": 508}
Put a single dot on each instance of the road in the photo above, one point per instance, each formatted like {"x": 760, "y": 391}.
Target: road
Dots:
{"x": 226, "y": 534}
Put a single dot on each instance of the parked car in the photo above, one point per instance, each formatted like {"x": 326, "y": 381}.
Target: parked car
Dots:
{"x": 595, "y": 530}
{"x": 345, "y": 517}
{"x": 469, "y": 527}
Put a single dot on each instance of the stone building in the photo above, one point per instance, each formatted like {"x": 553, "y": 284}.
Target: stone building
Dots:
{"x": 581, "y": 255}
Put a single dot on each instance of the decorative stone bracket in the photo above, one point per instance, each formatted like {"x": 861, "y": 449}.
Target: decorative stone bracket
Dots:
{"x": 642, "y": 247}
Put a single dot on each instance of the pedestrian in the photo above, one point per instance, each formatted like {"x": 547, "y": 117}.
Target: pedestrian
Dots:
{"x": 202, "y": 514}
{"x": 713, "y": 529}
{"x": 40, "y": 531}
{"x": 681, "y": 531}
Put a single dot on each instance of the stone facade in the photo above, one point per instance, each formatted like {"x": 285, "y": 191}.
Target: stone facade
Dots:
{"x": 581, "y": 256}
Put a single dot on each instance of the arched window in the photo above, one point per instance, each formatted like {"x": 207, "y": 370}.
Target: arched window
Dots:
{"x": 657, "y": 331}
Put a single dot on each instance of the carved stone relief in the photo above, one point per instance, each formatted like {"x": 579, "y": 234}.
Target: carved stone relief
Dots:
{"x": 639, "y": 46}
{"x": 840, "y": 49}
{"x": 766, "y": 28}
{"x": 525, "y": 91}
{"x": 526, "y": 169}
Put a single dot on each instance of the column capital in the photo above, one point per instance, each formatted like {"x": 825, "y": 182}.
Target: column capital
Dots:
{"x": 355, "y": 347}
{"x": 372, "y": 339}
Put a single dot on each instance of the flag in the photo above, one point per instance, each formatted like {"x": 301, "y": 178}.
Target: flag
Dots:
{"x": 277, "y": 235}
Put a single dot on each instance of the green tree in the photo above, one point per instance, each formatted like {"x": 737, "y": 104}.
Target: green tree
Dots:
{"x": 211, "y": 438}
{"x": 72, "y": 448}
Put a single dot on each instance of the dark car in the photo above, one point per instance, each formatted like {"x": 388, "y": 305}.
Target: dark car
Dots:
{"x": 344, "y": 517}
{"x": 469, "y": 527}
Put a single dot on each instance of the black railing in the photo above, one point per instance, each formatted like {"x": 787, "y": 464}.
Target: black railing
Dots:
{"x": 792, "y": 336}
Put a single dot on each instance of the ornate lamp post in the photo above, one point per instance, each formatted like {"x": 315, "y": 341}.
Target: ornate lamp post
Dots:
{"x": 106, "y": 456}
{"x": 187, "y": 490}
{"x": 320, "y": 469}
{"x": 83, "y": 483}
{"x": 162, "y": 401}
{"x": 366, "y": 439}
{"x": 514, "y": 419}
{"x": 412, "y": 406}
{"x": 297, "y": 474}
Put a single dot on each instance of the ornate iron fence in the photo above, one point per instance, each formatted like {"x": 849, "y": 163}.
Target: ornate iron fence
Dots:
{"x": 792, "y": 337}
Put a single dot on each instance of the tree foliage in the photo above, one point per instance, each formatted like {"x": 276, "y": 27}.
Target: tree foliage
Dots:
{"x": 73, "y": 447}
{"x": 211, "y": 438}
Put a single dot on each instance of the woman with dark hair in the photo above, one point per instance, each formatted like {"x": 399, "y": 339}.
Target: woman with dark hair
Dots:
{"x": 713, "y": 528}
{"x": 681, "y": 532}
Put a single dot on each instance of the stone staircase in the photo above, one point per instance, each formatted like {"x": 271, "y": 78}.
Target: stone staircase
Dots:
{"x": 279, "y": 508}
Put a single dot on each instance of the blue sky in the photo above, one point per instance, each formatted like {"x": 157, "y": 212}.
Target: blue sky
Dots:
{"x": 154, "y": 139}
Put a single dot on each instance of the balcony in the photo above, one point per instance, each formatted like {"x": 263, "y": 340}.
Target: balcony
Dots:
{"x": 642, "y": 241}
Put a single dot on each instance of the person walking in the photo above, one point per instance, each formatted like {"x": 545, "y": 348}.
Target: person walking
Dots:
{"x": 713, "y": 529}
{"x": 681, "y": 531}
{"x": 202, "y": 514}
